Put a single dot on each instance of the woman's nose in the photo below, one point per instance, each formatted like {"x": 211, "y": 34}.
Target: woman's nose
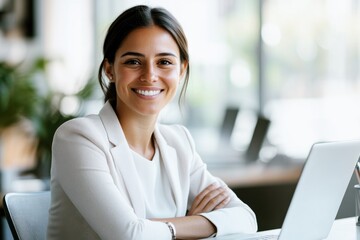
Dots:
{"x": 149, "y": 74}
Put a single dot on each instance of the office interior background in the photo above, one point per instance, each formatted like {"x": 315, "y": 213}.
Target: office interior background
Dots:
{"x": 294, "y": 62}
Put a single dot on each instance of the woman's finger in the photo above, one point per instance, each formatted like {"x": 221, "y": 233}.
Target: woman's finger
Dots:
{"x": 223, "y": 203}
{"x": 201, "y": 195}
{"x": 209, "y": 199}
{"x": 215, "y": 201}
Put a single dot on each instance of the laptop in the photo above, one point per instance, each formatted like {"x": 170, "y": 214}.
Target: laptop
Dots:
{"x": 228, "y": 124}
{"x": 257, "y": 139}
{"x": 318, "y": 194}
{"x": 228, "y": 156}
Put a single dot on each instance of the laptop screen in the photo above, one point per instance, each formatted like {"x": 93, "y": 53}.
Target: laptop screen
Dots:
{"x": 258, "y": 138}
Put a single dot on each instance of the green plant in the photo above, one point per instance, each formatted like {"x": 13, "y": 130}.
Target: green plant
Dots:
{"x": 48, "y": 118}
{"x": 18, "y": 96}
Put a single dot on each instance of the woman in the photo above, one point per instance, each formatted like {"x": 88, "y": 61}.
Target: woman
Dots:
{"x": 122, "y": 175}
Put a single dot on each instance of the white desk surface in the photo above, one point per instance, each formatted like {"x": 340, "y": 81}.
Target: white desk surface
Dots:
{"x": 345, "y": 229}
{"x": 342, "y": 229}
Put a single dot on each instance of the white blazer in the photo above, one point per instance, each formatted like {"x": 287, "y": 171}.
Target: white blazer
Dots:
{"x": 96, "y": 191}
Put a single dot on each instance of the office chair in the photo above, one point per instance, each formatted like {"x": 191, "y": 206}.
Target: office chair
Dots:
{"x": 27, "y": 214}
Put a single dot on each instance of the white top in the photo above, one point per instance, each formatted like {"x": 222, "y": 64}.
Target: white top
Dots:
{"x": 96, "y": 188}
{"x": 159, "y": 202}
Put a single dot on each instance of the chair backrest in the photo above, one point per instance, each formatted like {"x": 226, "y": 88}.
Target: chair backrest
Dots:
{"x": 27, "y": 214}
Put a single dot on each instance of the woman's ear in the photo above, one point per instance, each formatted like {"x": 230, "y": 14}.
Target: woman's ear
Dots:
{"x": 108, "y": 68}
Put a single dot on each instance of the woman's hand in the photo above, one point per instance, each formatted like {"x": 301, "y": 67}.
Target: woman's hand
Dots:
{"x": 211, "y": 198}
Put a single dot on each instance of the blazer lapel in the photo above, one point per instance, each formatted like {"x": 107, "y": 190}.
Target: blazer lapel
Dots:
{"x": 125, "y": 166}
{"x": 123, "y": 159}
{"x": 170, "y": 161}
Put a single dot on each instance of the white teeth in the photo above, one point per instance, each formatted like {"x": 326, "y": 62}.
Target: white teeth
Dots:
{"x": 148, "y": 92}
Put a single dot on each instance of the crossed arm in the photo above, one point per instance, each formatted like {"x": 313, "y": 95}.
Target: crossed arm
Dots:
{"x": 195, "y": 226}
{"x": 83, "y": 176}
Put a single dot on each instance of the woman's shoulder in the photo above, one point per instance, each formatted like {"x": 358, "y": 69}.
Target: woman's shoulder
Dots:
{"x": 91, "y": 122}
{"x": 173, "y": 130}
{"x": 80, "y": 125}
{"x": 175, "y": 134}
{"x": 82, "y": 121}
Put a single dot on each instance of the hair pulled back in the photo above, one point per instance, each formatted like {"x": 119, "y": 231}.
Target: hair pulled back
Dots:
{"x": 134, "y": 18}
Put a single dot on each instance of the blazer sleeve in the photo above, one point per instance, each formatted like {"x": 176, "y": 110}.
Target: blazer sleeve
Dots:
{"x": 236, "y": 217}
{"x": 81, "y": 166}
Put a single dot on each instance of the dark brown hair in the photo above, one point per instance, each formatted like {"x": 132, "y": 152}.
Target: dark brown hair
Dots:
{"x": 134, "y": 18}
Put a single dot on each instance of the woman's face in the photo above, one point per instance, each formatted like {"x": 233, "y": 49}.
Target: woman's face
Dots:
{"x": 146, "y": 71}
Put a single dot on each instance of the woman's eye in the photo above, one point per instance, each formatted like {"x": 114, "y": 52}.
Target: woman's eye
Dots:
{"x": 132, "y": 62}
{"x": 165, "y": 62}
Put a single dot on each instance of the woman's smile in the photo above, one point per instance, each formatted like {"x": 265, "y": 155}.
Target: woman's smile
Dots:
{"x": 147, "y": 93}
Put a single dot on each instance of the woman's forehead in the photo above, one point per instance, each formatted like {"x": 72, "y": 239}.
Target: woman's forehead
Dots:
{"x": 149, "y": 40}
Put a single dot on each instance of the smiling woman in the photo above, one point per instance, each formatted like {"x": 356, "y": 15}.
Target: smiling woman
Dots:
{"x": 146, "y": 72}
{"x": 122, "y": 175}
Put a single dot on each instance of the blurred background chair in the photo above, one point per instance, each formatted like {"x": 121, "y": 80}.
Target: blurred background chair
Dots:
{"x": 27, "y": 214}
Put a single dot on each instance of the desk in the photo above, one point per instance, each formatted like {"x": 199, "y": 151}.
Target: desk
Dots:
{"x": 342, "y": 229}
{"x": 257, "y": 174}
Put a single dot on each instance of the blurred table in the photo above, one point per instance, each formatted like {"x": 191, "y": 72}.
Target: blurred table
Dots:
{"x": 257, "y": 174}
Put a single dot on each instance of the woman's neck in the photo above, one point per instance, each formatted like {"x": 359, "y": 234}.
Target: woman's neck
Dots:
{"x": 139, "y": 133}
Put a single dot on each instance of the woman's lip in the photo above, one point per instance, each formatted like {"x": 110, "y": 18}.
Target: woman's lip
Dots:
{"x": 148, "y": 92}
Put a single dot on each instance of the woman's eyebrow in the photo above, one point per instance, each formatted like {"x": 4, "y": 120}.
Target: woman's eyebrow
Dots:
{"x": 132, "y": 54}
{"x": 166, "y": 54}
{"x": 142, "y": 55}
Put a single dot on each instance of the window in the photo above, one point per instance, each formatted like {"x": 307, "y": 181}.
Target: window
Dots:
{"x": 311, "y": 72}
{"x": 309, "y": 84}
